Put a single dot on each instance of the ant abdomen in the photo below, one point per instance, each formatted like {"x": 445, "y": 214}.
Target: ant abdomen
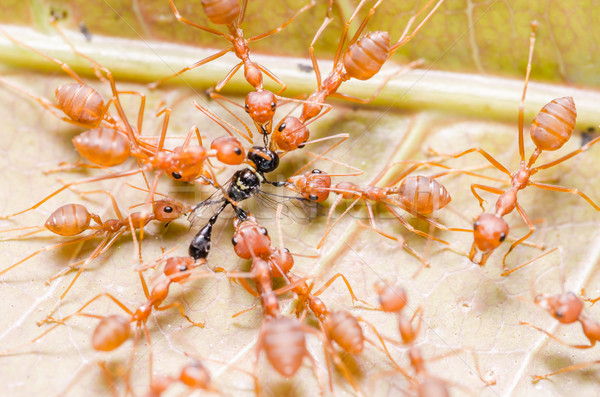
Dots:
{"x": 69, "y": 220}
{"x": 344, "y": 328}
{"x": 103, "y": 146}
{"x": 554, "y": 124}
{"x": 81, "y": 103}
{"x": 110, "y": 333}
{"x": 366, "y": 57}
{"x": 284, "y": 344}
{"x": 422, "y": 194}
{"x": 221, "y": 12}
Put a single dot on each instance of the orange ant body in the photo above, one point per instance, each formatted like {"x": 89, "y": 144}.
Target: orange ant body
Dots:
{"x": 567, "y": 308}
{"x": 361, "y": 60}
{"x": 73, "y": 219}
{"x": 550, "y": 130}
{"x": 194, "y": 375}
{"x": 393, "y": 300}
{"x": 112, "y": 331}
{"x": 418, "y": 195}
{"x": 260, "y": 104}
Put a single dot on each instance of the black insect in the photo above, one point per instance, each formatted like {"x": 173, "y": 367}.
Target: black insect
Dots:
{"x": 244, "y": 184}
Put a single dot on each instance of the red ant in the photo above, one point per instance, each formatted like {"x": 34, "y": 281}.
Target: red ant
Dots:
{"x": 230, "y": 14}
{"x": 567, "y": 308}
{"x": 73, "y": 219}
{"x": 393, "y": 300}
{"x": 550, "y": 130}
{"x": 418, "y": 195}
{"x": 114, "y": 330}
{"x": 362, "y": 59}
{"x": 260, "y": 104}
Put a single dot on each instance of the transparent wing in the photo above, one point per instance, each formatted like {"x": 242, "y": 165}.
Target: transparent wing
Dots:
{"x": 296, "y": 208}
{"x": 202, "y": 211}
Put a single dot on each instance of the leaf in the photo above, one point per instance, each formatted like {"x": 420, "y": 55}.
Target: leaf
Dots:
{"x": 465, "y": 307}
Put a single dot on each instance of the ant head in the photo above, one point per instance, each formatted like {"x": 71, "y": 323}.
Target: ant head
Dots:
{"x": 229, "y": 150}
{"x": 261, "y": 106}
{"x": 565, "y": 307}
{"x": 489, "y": 231}
{"x": 290, "y": 134}
{"x": 195, "y": 376}
{"x": 167, "y": 210}
{"x": 391, "y": 298}
{"x": 250, "y": 239}
{"x": 281, "y": 262}
{"x": 264, "y": 159}
{"x": 312, "y": 185}
{"x": 177, "y": 268}
{"x": 185, "y": 164}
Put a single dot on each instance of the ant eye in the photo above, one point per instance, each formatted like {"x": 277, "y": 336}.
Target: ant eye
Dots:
{"x": 281, "y": 127}
{"x": 237, "y": 151}
{"x": 316, "y": 171}
{"x": 502, "y": 237}
{"x": 234, "y": 241}
{"x": 313, "y": 197}
{"x": 264, "y": 231}
{"x": 476, "y": 225}
{"x": 558, "y": 313}
{"x": 176, "y": 175}
{"x": 273, "y": 105}
{"x": 183, "y": 268}
{"x": 168, "y": 210}
{"x": 301, "y": 146}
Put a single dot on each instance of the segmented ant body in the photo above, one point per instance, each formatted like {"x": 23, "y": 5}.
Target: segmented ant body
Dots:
{"x": 112, "y": 331}
{"x": 550, "y": 130}
{"x": 260, "y": 103}
{"x": 567, "y": 308}
{"x": 393, "y": 300}
{"x": 73, "y": 219}
{"x": 418, "y": 195}
{"x": 361, "y": 60}
{"x": 193, "y": 375}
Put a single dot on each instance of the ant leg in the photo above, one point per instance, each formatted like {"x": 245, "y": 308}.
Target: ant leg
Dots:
{"x": 50, "y": 319}
{"x": 77, "y": 240}
{"x": 507, "y": 272}
{"x": 79, "y": 182}
{"x": 331, "y": 280}
{"x": 592, "y": 342}
{"x": 566, "y": 190}
{"x": 311, "y": 50}
{"x": 338, "y": 52}
{"x": 46, "y": 104}
{"x": 219, "y": 99}
{"x": 567, "y": 156}
{"x": 163, "y": 131}
{"x": 283, "y": 25}
{"x": 380, "y": 87}
{"x": 522, "y": 104}
{"x": 141, "y": 110}
{"x": 242, "y": 13}
{"x": 275, "y": 78}
{"x": 233, "y": 71}
{"x": 411, "y": 229}
{"x": 62, "y": 65}
{"x": 488, "y": 189}
{"x": 328, "y": 228}
{"x": 405, "y": 38}
{"x": 180, "y": 308}
{"x": 400, "y": 241}
{"x": 385, "y": 349}
{"x": 192, "y": 24}
{"x": 222, "y": 123}
{"x": 485, "y": 154}
{"x": 575, "y": 367}
{"x": 531, "y": 226}
{"x": 190, "y": 67}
